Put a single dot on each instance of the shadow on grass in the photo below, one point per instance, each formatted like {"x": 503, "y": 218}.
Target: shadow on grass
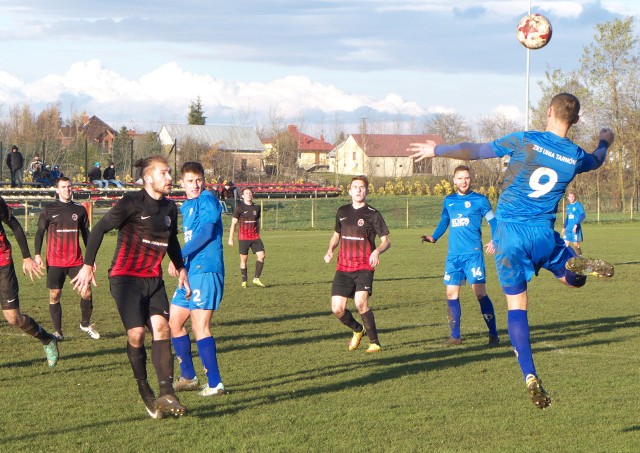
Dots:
{"x": 383, "y": 366}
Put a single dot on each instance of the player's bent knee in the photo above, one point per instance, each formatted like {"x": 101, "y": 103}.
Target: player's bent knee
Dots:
{"x": 13, "y": 317}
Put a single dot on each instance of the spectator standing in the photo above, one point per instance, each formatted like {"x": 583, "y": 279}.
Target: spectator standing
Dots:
{"x": 15, "y": 162}
{"x": 95, "y": 176}
{"x": 109, "y": 175}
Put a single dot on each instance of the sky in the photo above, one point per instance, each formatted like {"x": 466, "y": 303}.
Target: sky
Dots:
{"x": 323, "y": 64}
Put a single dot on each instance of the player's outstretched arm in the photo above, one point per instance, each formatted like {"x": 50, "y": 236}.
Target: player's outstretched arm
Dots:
{"x": 421, "y": 151}
{"x": 606, "y": 135}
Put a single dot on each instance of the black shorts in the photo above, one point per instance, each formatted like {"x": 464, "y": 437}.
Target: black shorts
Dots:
{"x": 9, "y": 288}
{"x": 346, "y": 284}
{"x": 139, "y": 298}
{"x": 255, "y": 245}
{"x": 57, "y": 275}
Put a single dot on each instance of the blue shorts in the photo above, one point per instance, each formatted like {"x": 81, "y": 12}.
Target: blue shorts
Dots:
{"x": 570, "y": 236}
{"x": 461, "y": 268}
{"x": 522, "y": 250}
{"x": 206, "y": 292}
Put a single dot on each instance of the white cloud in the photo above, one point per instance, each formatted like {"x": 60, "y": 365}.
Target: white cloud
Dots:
{"x": 168, "y": 90}
{"x": 508, "y": 111}
{"x": 440, "y": 109}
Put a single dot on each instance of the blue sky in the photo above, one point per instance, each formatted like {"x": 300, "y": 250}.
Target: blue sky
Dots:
{"x": 322, "y": 63}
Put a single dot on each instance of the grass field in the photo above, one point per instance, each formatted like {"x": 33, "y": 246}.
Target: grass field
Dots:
{"x": 294, "y": 386}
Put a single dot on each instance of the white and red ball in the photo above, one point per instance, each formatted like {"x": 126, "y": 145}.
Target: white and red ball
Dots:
{"x": 534, "y": 31}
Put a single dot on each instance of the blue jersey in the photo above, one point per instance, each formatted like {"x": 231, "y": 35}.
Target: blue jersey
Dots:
{"x": 196, "y": 214}
{"x": 463, "y": 213}
{"x": 541, "y": 167}
{"x": 575, "y": 215}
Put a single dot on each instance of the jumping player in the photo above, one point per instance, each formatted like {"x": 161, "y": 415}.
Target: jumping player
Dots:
{"x": 463, "y": 211}
{"x": 148, "y": 229}
{"x": 9, "y": 300}
{"x": 541, "y": 166}
{"x": 357, "y": 225}
{"x": 204, "y": 261}
{"x": 62, "y": 221}
{"x": 247, "y": 214}
{"x": 572, "y": 230}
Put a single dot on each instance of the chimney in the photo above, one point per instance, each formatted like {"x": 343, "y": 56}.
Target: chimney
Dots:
{"x": 293, "y": 128}
{"x": 85, "y": 119}
{"x": 321, "y": 137}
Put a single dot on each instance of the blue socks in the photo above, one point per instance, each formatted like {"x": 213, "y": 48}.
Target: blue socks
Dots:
{"x": 182, "y": 347}
{"x": 454, "y": 317}
{"x": 486, "y": 308}
{"x": 518, "y": 327}
{"x": 207, "y": 351}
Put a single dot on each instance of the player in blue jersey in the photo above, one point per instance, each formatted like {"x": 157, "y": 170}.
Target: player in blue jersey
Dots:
{"x": 203, "y": 259}
{"x": 541, "y": 166}
{"x": 571, "y": 230}
{"x": 463, "y": 211}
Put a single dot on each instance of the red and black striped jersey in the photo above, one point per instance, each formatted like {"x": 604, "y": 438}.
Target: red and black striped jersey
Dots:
{"x": 358, "y": 229}
{"x": 6, "y": 216}
{"x": 148, "y": 228}
{"x": 5, "y": 245}
{"x": 63, "y": 224}
{"x": 248, "y": 216}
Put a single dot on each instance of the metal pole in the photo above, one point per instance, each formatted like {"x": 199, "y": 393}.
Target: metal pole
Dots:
{"x": 86, "y": 160}
{"x": 175, "y": 156}
{"x": 131, "y": 166}
{"x": 526, "y": 100}
{"x": 44, "y": 151}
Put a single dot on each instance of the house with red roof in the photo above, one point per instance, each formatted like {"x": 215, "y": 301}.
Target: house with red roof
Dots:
{"x": 385, "y": 155}
{"x": 94, "y": 129}
{"x": 312, "y": 151}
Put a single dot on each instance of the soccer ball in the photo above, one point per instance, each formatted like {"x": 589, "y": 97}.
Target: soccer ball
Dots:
{"x": 534, "y": 31}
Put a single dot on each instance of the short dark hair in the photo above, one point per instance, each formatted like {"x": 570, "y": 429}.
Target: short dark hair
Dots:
{"x": 147, "y": 162}
{"x": 250, "y": 189}
{"x": 192, "y": 167}
{"x": 461, "y": 168}
{"x": 362, "y": 178}
{"x": 62, "y": 178}
{"x": 566, "y": 106}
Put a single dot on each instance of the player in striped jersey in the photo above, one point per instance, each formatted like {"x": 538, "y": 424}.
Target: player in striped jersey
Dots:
{"x": 356, "y": 228}
{"x": 147, "y": 224}
{"x": 64, "y": 222}
{"x": 247, "y": 216}
{"x": 9, "y": 300}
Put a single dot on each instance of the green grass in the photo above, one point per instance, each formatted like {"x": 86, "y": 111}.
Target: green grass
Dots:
{"x": 294, "y": 386}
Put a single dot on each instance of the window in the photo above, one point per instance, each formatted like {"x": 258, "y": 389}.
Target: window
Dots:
{"x": 354, "y": 155}
{"x": 243, "y": 165}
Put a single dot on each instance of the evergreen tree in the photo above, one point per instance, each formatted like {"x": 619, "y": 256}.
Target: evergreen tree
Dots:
{"x": 196, "y": 113}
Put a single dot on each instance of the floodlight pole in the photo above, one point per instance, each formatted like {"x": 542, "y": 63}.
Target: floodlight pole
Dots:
{"x": 526, "y": 95}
